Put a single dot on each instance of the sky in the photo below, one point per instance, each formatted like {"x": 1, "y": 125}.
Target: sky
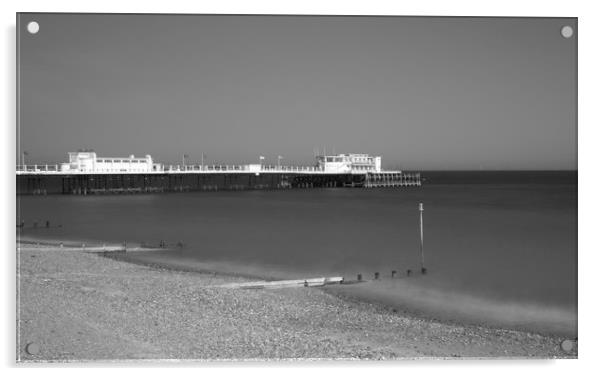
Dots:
{"x": 425, "y": 93}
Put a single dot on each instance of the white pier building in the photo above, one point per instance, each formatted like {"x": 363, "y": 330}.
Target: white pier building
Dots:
{"x": 349, "y": 163}
{"x": 86, "y": 161}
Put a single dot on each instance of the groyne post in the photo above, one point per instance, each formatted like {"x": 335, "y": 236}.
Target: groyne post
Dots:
{"x": 422, "y": 268}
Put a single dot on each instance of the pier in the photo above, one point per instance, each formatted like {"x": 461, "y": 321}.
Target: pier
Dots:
{"x": 87, "y": 174}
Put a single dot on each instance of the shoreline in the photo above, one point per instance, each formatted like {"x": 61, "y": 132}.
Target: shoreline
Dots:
{"x": 546, "y": 320}
{"x": 370, "y": 291}
{"x": 494, "y": 316}
{"x": 297, "y": 323}
{"x": 507, "y": 276}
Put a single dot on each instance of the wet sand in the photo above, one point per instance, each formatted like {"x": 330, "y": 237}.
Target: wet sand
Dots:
{"x": 80, "y": 306}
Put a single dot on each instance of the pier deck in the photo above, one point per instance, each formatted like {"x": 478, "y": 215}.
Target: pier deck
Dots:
{"x": 50, "y": 179}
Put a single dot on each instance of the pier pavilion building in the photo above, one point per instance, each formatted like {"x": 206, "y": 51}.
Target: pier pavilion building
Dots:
{"x": 87, "y": 161}
{"x": 349, "y": 163}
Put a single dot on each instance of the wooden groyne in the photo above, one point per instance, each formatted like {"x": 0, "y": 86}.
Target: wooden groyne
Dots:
{"x": 309, "y": 282}
{"x": 87, "y": 247}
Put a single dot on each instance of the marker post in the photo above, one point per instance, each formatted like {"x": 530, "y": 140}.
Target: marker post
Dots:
{"x": 422, "y": 268}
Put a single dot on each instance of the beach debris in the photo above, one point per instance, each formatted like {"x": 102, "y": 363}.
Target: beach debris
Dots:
{"x": 359, "y": 277}
{"x": 393, "y": 272}
{"x": 376, "y": 275}
{"x": 423, "y": 270}
{"x": 47, "y": 224}
{"x": 32, "y": 348}
{"x": 409, "y": 272}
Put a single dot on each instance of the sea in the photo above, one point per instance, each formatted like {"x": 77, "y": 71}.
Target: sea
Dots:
{"x": 500, "y": 247}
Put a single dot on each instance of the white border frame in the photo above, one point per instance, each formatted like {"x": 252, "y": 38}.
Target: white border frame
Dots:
{"x": 589, "y": 178}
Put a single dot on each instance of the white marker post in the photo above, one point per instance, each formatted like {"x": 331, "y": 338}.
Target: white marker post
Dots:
{"x": 422, "y": 268}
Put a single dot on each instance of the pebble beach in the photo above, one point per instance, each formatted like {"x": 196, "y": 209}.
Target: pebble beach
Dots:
{"x": 78, "y": 306}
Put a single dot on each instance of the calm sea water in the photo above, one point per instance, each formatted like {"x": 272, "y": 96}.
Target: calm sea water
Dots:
{"x": 499, "y": 247}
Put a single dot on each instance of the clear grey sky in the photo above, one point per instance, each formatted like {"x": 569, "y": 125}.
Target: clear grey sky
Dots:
{"x": 425, "y": 93}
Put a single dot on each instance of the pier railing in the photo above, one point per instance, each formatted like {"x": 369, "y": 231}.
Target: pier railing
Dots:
{"x": 55, "y": 169}
{"x": 240, "y": 168}
{"x": 38, "y": 168}
{"x": 374, "y": 177}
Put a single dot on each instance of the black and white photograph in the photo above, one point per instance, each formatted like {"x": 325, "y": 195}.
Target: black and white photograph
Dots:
{"x": 224, "y": 187}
